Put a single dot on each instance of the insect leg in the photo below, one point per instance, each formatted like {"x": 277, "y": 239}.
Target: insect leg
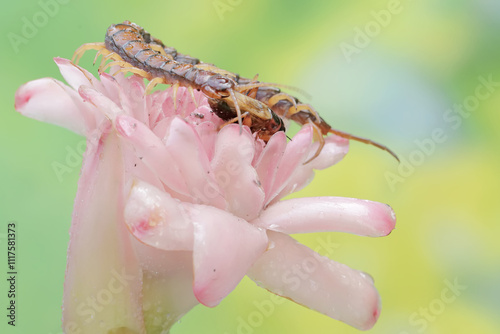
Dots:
{"x": 237, "y": 107}
{"x": 191, "y": 91}
{"x": 152, "y": 84}
{"x": 317, "y": 135}
{"x": 85, "y": 47}
{"x": 134, "y": 70}
{"x": 121, "y": 63}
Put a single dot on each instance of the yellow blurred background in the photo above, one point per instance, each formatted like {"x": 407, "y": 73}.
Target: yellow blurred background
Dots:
{"x": 421, "y": 77}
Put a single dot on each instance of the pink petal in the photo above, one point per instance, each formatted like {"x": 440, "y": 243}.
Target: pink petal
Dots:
{"x": 49, "y": 100}
{"x": 167, "y": 286}
{"x": 321, "y": 214}
{"x": 102, "y": 267}
{"x": 152, "y": 152}
{"x": 296, "y": 153}
{"x": 156, "y": 219}
{"x": 133, "y": 100}
{"x": 187, "y": 151}
{"x": 234, "y": 173}
{"x": 292, "y": 270}
{"x": 225, "y": 247}
{"x": 107, "y": 107}
{"x": 334, "y": 150}
{"x": 111, "y": 87}
{"x": 208, "y": 135}
{"x": 267, "y": 165}
{"x": 77, "y": 76}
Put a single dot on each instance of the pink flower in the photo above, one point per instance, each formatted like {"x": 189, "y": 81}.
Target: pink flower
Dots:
{"x": 171, "y": 212}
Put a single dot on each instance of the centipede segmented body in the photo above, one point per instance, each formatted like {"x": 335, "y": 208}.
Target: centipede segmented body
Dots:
{"x": 136, "y": 51}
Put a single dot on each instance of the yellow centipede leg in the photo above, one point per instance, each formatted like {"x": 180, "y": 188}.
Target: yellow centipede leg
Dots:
{"x": 84, "y": 48}
{"x": 121, "y": 63}
{"x": 134, "y": 70}
{"x": 253, "y": 91}
{"x": 191, "y": 91}
{"x": 317, "y": 136}
{"x": 152, "y": 84}
{"x": 238, "y": 111}
{"x": 113, "y": 56}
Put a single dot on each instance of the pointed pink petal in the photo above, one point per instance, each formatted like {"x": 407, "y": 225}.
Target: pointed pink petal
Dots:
{"x": 111, "y": 87}
{"x": 208, "y": 135}
{"x": 133, "y": 100}
{"x": 234, "y": 173}
{"x": 225, "y": 247}
{"x": 77, "y": 76}
{"x": 334, "y": 150}
{"x": 49, "y": 100}
{"x": 267, "y": 165}
{"x": 292, "y": 270}
{"x": 322, "y": 214}
{"x": 103, "y": 286}
{"x": 296, "y": 153}
{"x": 186, "y": 149}
{"x": 156, "y": 219}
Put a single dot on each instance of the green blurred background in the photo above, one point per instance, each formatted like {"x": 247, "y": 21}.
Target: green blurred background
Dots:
{"x": 394, "y": 85}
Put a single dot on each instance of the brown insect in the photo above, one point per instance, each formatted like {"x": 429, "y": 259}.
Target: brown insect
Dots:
{"x": 136, "y": 51}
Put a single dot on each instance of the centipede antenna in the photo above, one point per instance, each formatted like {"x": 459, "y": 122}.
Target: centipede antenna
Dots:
{"x": 237, "y": 107}
{"x": 364, "y": 140}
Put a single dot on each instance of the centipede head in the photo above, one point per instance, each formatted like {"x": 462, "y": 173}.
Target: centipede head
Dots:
{"x": 217, "y": 86}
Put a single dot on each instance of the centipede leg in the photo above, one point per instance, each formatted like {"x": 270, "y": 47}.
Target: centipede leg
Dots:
{"x": 134, "y": 70}
{"x": 253, "y": 92}
{"x": 152, "y": 84}
{"x": 317, "y": 136}
{"x": 121, "y": 63}
{"x": 191, "y": 91}
{"x": 238, "y": 111}
{"x": 84, "y": 48}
